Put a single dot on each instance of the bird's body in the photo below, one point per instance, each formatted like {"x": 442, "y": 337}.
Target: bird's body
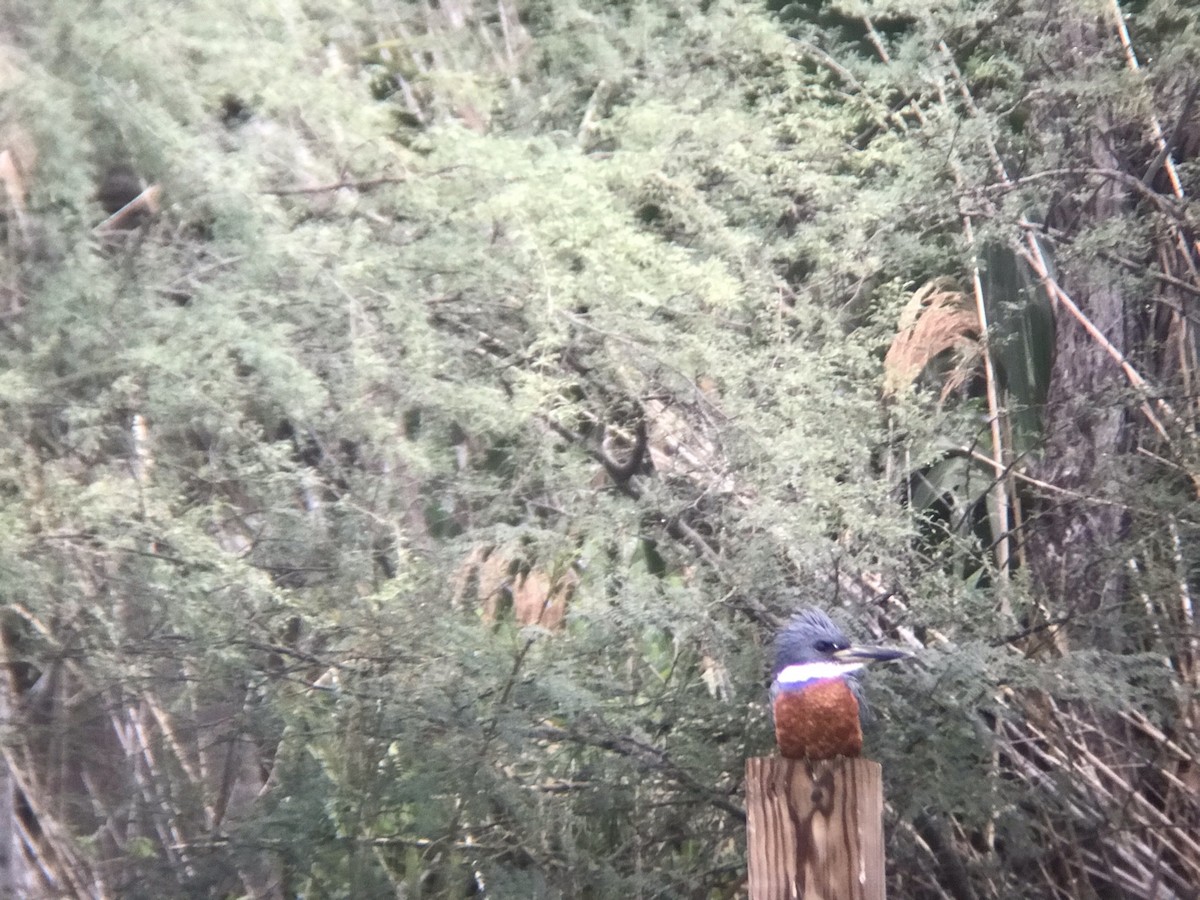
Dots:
{"x": 818, "y": 722}
{"x": 816, "y": 697}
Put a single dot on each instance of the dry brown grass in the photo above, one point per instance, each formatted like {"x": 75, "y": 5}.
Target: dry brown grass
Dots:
{"x": 938, "y": 319}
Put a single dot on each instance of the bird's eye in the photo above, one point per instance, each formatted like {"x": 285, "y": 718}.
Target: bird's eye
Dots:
{"x": 824, "y": 646}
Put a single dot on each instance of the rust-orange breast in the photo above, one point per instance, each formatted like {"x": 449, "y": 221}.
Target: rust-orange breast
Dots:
{"x": 818, "y": 721}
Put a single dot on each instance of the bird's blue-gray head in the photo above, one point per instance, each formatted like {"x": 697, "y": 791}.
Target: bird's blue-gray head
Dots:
{"x": 812, "y": 648}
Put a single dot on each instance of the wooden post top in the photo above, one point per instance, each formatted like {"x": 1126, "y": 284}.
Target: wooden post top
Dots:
{"x": 814, "y": 829}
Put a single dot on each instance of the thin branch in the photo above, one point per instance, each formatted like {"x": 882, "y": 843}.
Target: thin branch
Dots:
{"x": 358, "y": 185}
{"x": 1131, "y": 181}
{"x": 1032, "y": 254}
{"x": 1135, "y": 266}
{"x": 1187, "y": 246}
{"x": 1002, "y": 490}
{"x": 1167, "y": 147}
{"x": 362, "y": 183}
{"x": 1132, "y": 61}
{"x": 881, "y": 109}
{"x": 648, "y": 756}
{"x": 876, "y": 41}
{"x": 64, "y": 865}
{"x": 147, "y": 201}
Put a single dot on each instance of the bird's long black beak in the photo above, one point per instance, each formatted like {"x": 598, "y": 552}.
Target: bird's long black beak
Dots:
{"x": 870, "y": 654}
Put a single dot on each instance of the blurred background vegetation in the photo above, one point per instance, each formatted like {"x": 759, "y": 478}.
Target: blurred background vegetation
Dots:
{"x": 417, "y": 416}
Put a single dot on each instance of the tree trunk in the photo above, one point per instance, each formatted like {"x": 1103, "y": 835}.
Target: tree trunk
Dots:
{"x": 1075, "y": 555}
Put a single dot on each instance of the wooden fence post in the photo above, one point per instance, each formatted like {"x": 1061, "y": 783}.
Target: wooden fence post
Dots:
{"x": 814, "y": 830}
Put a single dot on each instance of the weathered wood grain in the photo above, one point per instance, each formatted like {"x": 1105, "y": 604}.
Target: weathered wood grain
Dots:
{"x": 814, "y": 829}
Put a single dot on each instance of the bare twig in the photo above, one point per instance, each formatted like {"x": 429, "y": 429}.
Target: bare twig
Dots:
{"x": 1132, "y": 61}
{"x": 1032, "y": 254}
{"x": 1168, "y": 146}
{"x": 145, "y": 202}
{"x": 876, "y": 40}
{"x": 357, "y": 185}
{"x": 1002, "y": 491}
{"x": 646, "y": 755}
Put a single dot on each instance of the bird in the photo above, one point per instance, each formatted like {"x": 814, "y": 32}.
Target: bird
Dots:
{"x": 816, "y": 697}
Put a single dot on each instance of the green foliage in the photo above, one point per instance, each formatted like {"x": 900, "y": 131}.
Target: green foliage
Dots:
{"x": 322, "y": 574}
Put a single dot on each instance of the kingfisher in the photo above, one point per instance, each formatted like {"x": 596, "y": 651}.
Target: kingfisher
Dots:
{"x": 816, "y": 696}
